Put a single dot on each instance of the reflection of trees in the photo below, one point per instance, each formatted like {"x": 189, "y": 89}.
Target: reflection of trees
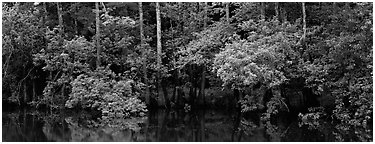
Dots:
{"x": 21, "y": 126}
{"x": 274, "y": 132}
{"x": 188, "y": 127}
{"x": 39, "y": 126}
{"x": 105, "y": 129}
{"x": 55, "y": 128}
{"x": 159, "y": 126}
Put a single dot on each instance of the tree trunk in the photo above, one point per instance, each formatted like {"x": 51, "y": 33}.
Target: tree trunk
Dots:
{"x": 158, "y": 35}
{"x": 203, "y": 79}
{"x": 195, "y": 92}
{"x": 304, "y": 20}
{"x": 302, "y": 39}
{"x": 203, "y": 82}
{"x": 283, "y": 13}
{"x": 63, "y": 91}
{"x": 166, "y": 98}
{"x": 59, "y": 13}
{"x": 192, "y": 95}
{"x": 75, "y": 21}
{"x": 202, "y": 126}
{"x": 61, "y": 32}
{"x": 277, "y": 10}
{"x": 178, "y": 93}
{"x": 226, "y": 11}
{"x": 197, "y": 12}
{"x": 24, "y": 92}
{"x": 45, "y": 12}
{"x": 144, "y": 67}
{"x": 42, "y": 18}
{"x": 34, "y": 91}
{"x": 179, "y": 88}
{"x": 262, "y": 11}
{"x": 191, "y": 92}
{"x": 173, "y": 98}
{"x": 45, "y": 17}
{"x": 97, "y": 34}
{"x": 181, "y": 26}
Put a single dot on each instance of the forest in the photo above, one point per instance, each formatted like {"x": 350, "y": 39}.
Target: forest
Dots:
{"x": 118, "y": 61}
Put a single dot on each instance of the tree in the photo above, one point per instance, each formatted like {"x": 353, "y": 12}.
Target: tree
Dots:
{"x": 158, "y": 29}
{"x": 263, "y": 10}
{"x": 304, "y": 21}
{"x": 144, "y": 68}
{"x": 59, "y": 13}
{"x": 236, "y": 45}
{"x": 277, "y": 10}
{"x": 227, "y": 11}
{"x": 203, "y": 79}
{"x": 283, "y": 14}
{"x": 22, "y": 37}
{"x": 97, "y": 35}
{"x": 159, "y": 54}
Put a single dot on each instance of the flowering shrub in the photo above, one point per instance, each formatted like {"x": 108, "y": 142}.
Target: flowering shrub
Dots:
{"x": 112, "y": 94}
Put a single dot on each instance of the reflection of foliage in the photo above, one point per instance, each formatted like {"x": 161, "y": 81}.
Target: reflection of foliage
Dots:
{"x": 247, "y": 126}
{"x": 273, "y": 131}
{"x": 93, "y": 130}
{"x": 100, "y": 90}
{"x": 119, "y": 124}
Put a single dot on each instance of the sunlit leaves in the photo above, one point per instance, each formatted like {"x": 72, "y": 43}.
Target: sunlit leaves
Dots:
{"x": 100, "y": 91}
{"x": 259, "y": 58}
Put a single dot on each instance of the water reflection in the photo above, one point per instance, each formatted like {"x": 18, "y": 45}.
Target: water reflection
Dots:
{"x": 160, "y": 125}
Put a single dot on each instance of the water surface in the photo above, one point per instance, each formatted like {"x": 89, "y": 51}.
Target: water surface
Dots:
{"x": 157, "y": 126}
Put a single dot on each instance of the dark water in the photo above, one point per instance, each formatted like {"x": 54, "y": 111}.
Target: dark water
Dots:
{"x": 160, "y": 125}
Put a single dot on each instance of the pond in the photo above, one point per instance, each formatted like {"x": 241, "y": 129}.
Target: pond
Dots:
{"x": 157, "y": 126}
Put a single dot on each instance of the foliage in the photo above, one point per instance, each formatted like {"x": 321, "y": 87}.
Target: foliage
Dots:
{"x": 343, "y": 65}
{"x": 66, "y": 59}
{"x": 250, "y": 103}
{"x": 333, "y": 58}
{"x": 117, "y": 41}
{"x": 114, "y": 95}
{"x": 274, "y": 131}
{"x": 21, "y": 37}
{"x": 208, "y": 42}
{"x": 275, "y": 105}
{"x": 258, "y": 58}
{"x": 312, "y": 119}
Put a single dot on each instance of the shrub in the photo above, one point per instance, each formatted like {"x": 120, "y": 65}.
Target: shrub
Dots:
{"x": 114, "y": 95}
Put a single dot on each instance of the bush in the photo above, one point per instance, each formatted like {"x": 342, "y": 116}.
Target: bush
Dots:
{"x": 112, "y": 94}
